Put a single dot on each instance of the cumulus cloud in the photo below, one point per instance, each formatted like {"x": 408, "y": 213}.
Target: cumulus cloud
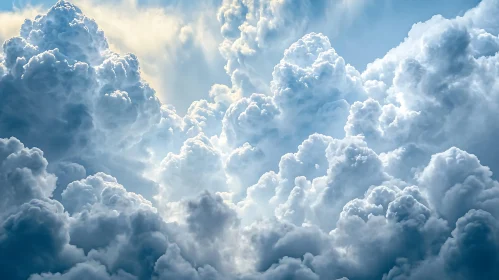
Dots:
{"x": 316, "y": 171}
{"x": 197, "y": 156}
{"x": 256, "y": 33}
{"x": 168, "y": 39}
{"x": 99, "y": 231}
{"x": 60, "y": 76}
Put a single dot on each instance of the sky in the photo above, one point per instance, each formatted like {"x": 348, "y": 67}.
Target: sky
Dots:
{"x": 249, "y": 140}
{"x": 376, "y": 17}
{"x": 360, "y": 39}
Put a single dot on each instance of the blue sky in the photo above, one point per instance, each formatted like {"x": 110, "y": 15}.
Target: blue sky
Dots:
{"x": 367, "y": 38}
{"x": 8, "y": 4}
{"x": 382, "y": 26}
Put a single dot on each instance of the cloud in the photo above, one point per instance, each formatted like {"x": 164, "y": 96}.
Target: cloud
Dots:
{"x": 322, "y": 173}
{"x": 255, "y": 34}
{"x": 24, "y": 176}
{"x": 90, "y": 269}
{"x": 32, "y": 225}
{"x": 168, "y": 39}
{"x": 60, "y": 76}
{"x": 208, "y": 216}
{"x": 105, "y": 234}
{"x": 197, "y": 156}
{"x": 312, "y": 87}
{"x": 456, "y": 182}
{"x": 11, "y": 21}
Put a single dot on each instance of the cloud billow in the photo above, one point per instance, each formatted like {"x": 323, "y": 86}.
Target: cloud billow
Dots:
{"x": 326, "y": 173}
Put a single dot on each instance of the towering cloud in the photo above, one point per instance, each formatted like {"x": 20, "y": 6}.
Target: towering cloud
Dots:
{"x": 315, "y": 171}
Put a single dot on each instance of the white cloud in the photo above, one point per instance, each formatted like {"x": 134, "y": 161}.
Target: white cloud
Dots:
{"x": 330, "y": 174}
{"x": 167, "y": 39}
